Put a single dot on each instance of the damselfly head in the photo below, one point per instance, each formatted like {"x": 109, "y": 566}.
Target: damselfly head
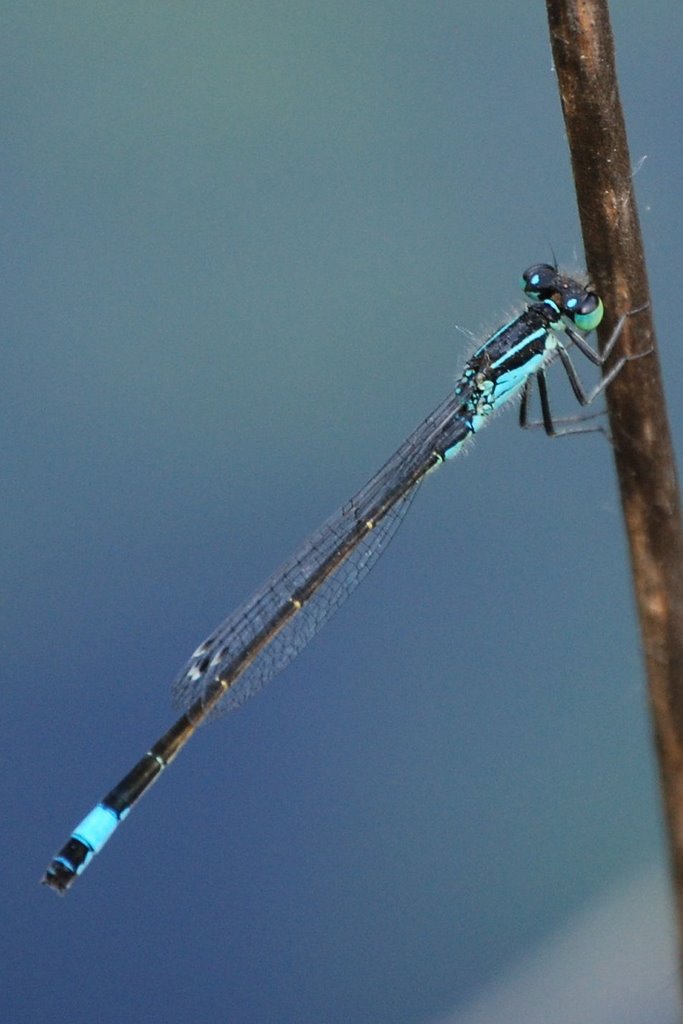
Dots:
{"x": 574, "y": 300}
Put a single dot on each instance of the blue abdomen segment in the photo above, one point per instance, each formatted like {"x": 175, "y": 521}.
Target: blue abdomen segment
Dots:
{"x": 470, "y": 425}
{"x": 85, "y": 841}
{"x": 97, "y": 827}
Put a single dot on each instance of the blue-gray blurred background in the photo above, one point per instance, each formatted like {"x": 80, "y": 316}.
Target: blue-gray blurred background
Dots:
{"x": 239, "y": 242}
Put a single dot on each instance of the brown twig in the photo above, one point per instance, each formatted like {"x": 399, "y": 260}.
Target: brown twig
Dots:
{"x": 583, "y": 52}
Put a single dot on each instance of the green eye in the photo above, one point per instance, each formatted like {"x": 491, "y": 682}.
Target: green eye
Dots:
{"x": 586, "y": 314}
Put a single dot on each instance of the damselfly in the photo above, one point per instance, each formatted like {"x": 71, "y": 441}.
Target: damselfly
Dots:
{"x": 262, "y": 636}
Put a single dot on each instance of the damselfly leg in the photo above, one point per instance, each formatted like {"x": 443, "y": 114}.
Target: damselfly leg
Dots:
{"x": 576, "y": 424}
